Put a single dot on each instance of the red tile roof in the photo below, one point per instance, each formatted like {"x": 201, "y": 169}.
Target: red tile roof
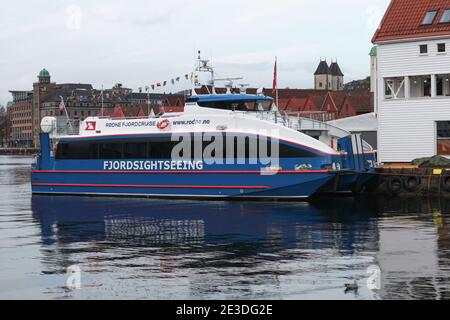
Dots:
{"x": 403, "y": 20}
{"x": 283, "y": 104}
{"x": 338, "y": 98}
{"x": 361, "y": 102}
{"x": 297, "y": 104}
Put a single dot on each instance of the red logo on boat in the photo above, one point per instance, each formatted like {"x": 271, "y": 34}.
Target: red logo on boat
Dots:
{"x": 91, "y": 126}
{"x": 163, "y": 124}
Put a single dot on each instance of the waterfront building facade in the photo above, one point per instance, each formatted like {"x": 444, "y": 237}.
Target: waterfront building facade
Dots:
{"x": 19, "y": 124}
{"x": 413, "y": 80}
{"x": 81, "y": 101}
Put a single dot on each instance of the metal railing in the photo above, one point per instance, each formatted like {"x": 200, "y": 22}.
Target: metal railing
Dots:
{"x": 66, "y": 127}
{"x": 293, "y": 120}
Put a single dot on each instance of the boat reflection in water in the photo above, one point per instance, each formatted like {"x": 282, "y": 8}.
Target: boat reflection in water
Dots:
{"x": 184, "y": 249}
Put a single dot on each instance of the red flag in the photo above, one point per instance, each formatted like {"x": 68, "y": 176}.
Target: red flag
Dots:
{"x": 275, "y": 84}
{"x": 62, "y": 105}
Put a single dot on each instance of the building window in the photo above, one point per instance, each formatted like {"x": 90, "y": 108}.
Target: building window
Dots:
{"x": 429, "y": 17}
{"x": 445, "y": 16}
{"x": 441, "y": 47}
{"x": 420, "y": 86}
{"x": 443, "y": 138}
{"x": 320, "y": 84}
{"x": 423, "y": 49}
{"x": 443, "y": 85}
{"x": 394, "y": 88}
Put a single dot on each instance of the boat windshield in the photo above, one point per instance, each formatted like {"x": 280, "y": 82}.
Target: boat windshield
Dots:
{"x": 247, "y": 106}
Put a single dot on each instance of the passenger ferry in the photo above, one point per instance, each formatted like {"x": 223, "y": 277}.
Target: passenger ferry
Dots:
{"x": 216, "y": 148}
{"x": 222, "y": 146}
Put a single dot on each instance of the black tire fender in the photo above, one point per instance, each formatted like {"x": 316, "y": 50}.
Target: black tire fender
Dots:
{"x": 394, "y": 184}
{"x": 412, "y": 183}
{"x": 446, "y": 183}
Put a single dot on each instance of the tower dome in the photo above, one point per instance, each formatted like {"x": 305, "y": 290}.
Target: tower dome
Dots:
{"x": 44, "y": 76}
{"x": 44, "y": 73}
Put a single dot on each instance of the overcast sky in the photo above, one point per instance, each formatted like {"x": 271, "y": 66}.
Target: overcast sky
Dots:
{"x": 140, "y": 42}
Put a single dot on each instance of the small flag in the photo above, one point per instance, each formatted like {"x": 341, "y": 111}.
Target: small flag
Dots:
{"x": 165, "y": 83}
{"x": 153, "y": 87}
{"x": 178, "y": 79}
{"x": 158, "y": 84}
{"x": 173, "y": 81}
{"x": 62, "y": 105}
{"x": 186, "y": 76}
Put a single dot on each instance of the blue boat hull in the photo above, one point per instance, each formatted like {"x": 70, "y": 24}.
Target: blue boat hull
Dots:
{"x": 181, "y": 185}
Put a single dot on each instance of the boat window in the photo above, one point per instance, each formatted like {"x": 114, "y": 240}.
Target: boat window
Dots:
{"x": 136, "y": 150}
{"x": 111, "y": 151}
{"x": 161, "y": 148}
{"x": 255, "y": 105}
{"x": 77, "y": 151}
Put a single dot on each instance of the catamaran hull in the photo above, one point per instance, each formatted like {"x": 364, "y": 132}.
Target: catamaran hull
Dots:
{"x": 287, "y": 185}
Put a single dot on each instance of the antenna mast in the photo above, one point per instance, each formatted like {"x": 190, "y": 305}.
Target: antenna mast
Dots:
{"x": 204, "y": 66}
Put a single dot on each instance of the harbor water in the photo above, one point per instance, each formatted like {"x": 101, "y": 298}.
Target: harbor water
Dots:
{"x": 166, "y": 249}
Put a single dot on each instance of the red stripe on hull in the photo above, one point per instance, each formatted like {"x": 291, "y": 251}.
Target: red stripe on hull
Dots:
{"x": 143, "y": 186}
{"x": 183, "y": 172}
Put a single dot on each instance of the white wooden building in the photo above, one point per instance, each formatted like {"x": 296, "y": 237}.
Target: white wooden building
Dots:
{"x": 413, "y": 80}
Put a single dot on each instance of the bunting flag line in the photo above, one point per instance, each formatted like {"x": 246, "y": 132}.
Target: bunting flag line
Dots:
{"x": 171, "y": 81}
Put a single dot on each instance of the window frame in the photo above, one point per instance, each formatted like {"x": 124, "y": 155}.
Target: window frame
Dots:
{"x": 447, "y": 10}
{"x": 421, "y": 46}
{"x": 435, "y": 11}
{"x": 438, "y": 138}
{"x": 441, "y": 44}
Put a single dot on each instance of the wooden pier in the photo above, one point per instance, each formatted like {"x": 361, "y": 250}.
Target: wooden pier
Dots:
{"x": 411, "y": 181}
